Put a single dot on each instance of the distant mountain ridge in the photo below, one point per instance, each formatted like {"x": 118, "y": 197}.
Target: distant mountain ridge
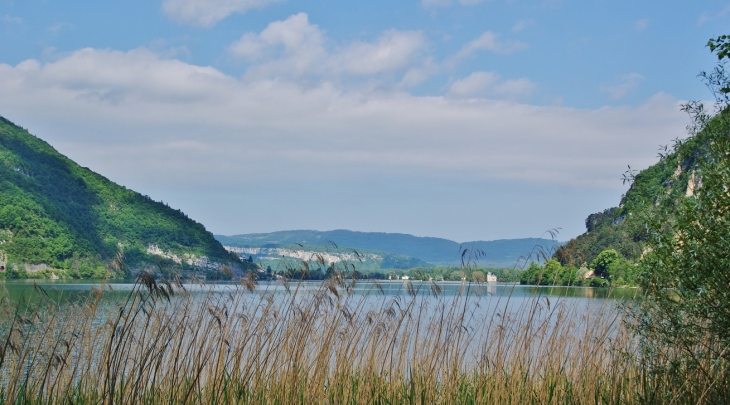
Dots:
{"x": 436, "y": 251}
{"x": 58, "y": 214}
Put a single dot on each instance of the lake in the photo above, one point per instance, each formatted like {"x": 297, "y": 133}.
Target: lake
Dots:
{"x": 482, "y": 305}
{"x": 64, "y": 291}
{"x": 101, "y": 335}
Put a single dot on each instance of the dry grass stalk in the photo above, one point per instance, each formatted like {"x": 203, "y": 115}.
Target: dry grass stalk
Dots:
{"x": 249, "y": 344}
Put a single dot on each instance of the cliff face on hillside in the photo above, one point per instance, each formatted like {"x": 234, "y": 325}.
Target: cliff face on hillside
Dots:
{"x": 620, "y": 228}
{"x": 57, "y": 213}
{"x": 403, "y": 249}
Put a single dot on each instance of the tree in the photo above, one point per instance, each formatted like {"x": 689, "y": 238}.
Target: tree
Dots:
{"x": 530, "y": 275}
{"x": 478, "y": 276}
{"x": 721, "y": 46}
{"x": 568, "y": 254}
{"x": 603, "y": 262}
{"x": 687, "y": 253}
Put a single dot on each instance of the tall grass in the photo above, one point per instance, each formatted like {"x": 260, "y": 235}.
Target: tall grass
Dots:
{"x": 326, "y": 344}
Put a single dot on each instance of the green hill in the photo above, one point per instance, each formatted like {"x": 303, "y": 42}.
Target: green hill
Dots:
{"x": 620, "y": 228}
{"x": 436, "y": 251}
{"x": 56, "y": 213}
{"x": 281, "y": 256}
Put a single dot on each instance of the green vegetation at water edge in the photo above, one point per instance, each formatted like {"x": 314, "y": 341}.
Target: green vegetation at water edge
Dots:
{"x": 673, "y": 231}
{"x": 317, "y": 271}
{"x": 684, "y": 271}
{"x": 608, "y": 269}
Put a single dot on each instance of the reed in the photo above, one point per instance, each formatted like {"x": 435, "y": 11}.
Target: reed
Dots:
{"x": 296, "y": 344}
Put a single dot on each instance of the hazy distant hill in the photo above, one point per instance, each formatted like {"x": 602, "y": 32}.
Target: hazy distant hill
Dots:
{"x": 56, "y": 213}
{"x": 282, "y": 256}
{"x": 437, "y": 251}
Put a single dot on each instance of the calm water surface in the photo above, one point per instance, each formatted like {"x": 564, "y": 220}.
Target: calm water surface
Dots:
{"x": 507, "y": 295}
{"x": 509, "y": 305}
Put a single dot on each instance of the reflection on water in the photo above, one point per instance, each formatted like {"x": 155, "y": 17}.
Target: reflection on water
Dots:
{"x": 388, "y": 328}
{"x": 23, "y": 292}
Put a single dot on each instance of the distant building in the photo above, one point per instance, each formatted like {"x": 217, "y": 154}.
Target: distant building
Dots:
{"x": 405, "y": 278}
{"x": 491, "y": 278}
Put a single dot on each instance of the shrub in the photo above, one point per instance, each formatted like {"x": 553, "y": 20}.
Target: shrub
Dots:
{"x": 684, "y": 269}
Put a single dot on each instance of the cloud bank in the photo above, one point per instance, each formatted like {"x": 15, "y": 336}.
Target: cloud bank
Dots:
{"x": 485, "y": 84}
{"x": 447, "y": 3}
{"x": 296, "y": 48}
{"x": 624, "y": 85}
{"x": 206, "y": 13}
{"x": 145, "y": 116}
{"x": 489, "y": 41}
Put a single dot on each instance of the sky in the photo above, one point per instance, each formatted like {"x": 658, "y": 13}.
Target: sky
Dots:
{"x": 461, "y": 119}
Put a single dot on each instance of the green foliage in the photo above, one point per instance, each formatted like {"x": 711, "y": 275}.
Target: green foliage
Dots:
{"x": 684, "y": 270}
{"x": 622, "y": 273}
{"x": 604, "y": 230}
{"x": 598, "y": 282}
{"x": 55, "y": 212}
{"x": 721, "y": 46}
{"x": 458, "y": 273}
{"x": 717, "y": 80}
{"x": 16, "y": 272}
{"x": 478, "y": 276}
{"x": 508, "y": 275}
{"x": 620, "y": 228}
{"x": 552, "y": 273}
{"x": 603, "y": 262}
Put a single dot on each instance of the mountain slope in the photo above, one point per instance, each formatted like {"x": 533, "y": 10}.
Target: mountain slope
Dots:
{"x": 620, "y": 228}
{"x": 437, "y": 251}
{"x": 55, "y": 212}
{"x": 281, "y": 256}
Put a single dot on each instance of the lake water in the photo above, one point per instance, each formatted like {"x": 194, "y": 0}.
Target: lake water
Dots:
{"x": 269, "y": 325}
{"x": 486, "y": 304}
{"x": 65, "y": 291}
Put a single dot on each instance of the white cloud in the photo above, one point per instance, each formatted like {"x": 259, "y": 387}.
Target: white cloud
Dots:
{"x": 419, "y": 74}
{"x": 447, "y": 3}
{"x": 292, "y": 45}
{"x": 641, "y": 25}
{"x": 8, "y": 19}
{"x": 489, "y": 41}
{"x": 394, "y": 50}
{"x": 707, "y": 16}
{"x": 142, "y": 119}
{"x": 295, "y": 47}
{"x": 58, "y": 27}
{"x": 207, "y": 13}
{"x": 522, "y": 25}
{"x": 485, "y": 84}
{"x": 475, "y": 84}
{"x": 625, "y": 85}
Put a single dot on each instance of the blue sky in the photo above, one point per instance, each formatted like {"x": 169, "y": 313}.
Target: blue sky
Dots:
{"x": 462, "y": 119}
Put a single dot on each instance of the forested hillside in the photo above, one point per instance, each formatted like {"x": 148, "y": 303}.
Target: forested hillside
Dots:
{"x": 666, "y": 184}
{"x": 437, "y": 251}
{"x": 616, "y": 238}
{"x": 617, "y": 227}
{"x": 56, "y": 213}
